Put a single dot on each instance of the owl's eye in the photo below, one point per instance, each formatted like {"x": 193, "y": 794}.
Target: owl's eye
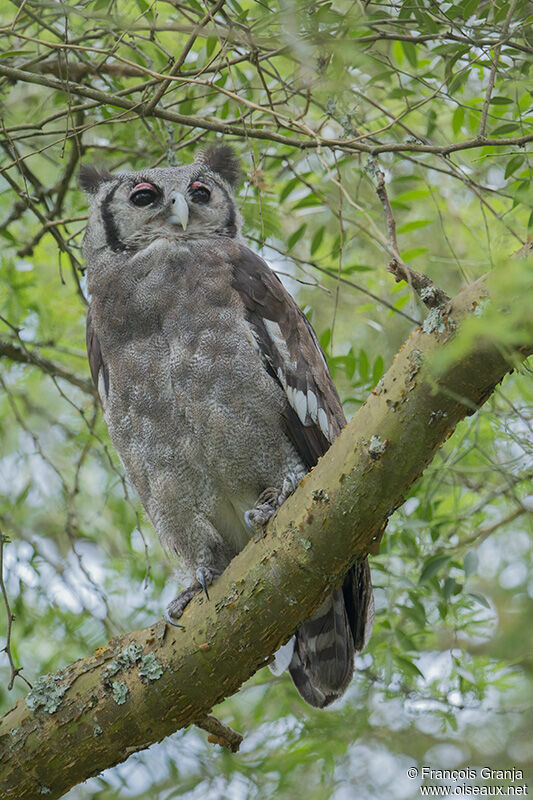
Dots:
{"x": 144, "y": 194}
{"x": 199, "y": 192}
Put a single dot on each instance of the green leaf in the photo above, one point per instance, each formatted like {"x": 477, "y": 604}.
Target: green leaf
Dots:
{"x": 398, "y": 51}
{"x": 364, "y": 366}
{"x": 459, "y": 80}
{"x": 351, "y": 363}
{"x": 405, "y": 641}
{"x": 410, "y": 53}
{"x": 432, "y": 566}
{"x": 448, "y": 588}
{"x": 210, "y": 45}
{"x": 296, "y": 236}
{"x": 309, "y": 201}
{"x": 408, "y": 255}
{"x": 13, "y": 53}
{"x": 508, "y": 127}
{"x": 409, "y": 666}
{"x": 469, "y": 7}
{"x": 513, "y": 164}
{"x": 479, "y": 598}
{"x": 413, "y": 226}
{"x": 413, "y": 194}
{"x": 501, "y": 101}
{"x": 378, "y": 369}
{"x": 458, "y": 119}
{"x": 288, "y": 188}
{"x": 401, "y": 206}
{"x": 470, "y": 563}
{"x": 356, "y": 268}
{"x": 316, "y": 241}
{"x": 325, "y": 339}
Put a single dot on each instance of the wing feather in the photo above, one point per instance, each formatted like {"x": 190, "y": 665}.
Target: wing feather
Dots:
{"x": 99, "y": 370}
{"x": 292, "y": 354}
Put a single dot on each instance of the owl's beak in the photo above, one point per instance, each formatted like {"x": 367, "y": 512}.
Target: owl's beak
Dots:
{"x": 179, "y": 210}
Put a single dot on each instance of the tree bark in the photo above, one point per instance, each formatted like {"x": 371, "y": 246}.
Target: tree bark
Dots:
{"x": 147, "y": 684}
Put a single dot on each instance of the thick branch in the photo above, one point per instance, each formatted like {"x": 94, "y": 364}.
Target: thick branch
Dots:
{"x": 147, "y": 684}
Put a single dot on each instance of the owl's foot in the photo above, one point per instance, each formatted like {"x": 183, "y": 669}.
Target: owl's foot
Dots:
{"x": 174, "y": 610}
{"x": 268, "y": 503}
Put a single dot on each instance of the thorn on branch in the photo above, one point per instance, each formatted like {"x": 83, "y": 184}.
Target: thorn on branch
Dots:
{"x": 219, "y": 733}
{"x": 429, "y": 293}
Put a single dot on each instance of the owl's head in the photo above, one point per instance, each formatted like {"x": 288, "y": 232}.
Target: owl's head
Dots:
{"x": 130, "y": 210}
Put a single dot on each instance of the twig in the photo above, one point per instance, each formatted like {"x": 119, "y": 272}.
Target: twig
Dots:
{"x": 480, "y": 534}
{"x": 10, "y": 619}
{"x": 25, "y": 356}
{"x": 381, "y": 190}
{"x": 163, "y": 86}
{"x": 494, "y": 69}
{"x": 429, "y": 293}
{"x": 340, "y": 278}
{"x": 219, "y": 733}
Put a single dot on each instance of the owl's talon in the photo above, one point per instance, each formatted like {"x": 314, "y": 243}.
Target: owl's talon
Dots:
{"x": 248, "y": 519}
{"x": 204, "y": 577}
{"x": 256, "y": 518}
{"x": 170, "y": 621}
{"x": 175, "y": 609}
{"x": 289, "y": 485}
{"x": 293, "y": 479}
{"x": 268, "y": 502}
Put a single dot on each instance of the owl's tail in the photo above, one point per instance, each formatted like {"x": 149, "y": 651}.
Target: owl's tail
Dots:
{"x": 323, "y": 661}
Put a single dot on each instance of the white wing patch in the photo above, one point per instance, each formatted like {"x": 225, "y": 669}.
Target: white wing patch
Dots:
{"x": 102, "y": 394}
{"x": 304, "y": 403}
{"x": 323, "y": 422}
{"x": 278, "y": 340}
{"x": 312, "y": 405}
{"x": 300, "y": 404}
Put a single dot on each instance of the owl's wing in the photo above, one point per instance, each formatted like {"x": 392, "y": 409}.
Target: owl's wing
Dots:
{"x": 99, "y": 370}
{"x": 292, "y": 355}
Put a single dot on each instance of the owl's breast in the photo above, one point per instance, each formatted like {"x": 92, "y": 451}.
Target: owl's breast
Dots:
{"x": 190, "y": 408}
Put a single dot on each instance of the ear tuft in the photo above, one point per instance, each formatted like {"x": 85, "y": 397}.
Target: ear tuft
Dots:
{"x": 222, "y": 159}
{"x": 90, "y": 178}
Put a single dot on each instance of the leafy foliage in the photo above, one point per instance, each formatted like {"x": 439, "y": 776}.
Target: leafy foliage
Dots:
{"x": 316, "y": 98}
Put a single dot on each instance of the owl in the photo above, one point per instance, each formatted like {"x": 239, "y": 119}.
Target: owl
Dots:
{"x": 215, "y": 391}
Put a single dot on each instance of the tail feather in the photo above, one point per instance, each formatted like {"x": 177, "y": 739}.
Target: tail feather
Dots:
{"x": 323, "y": 661}
{"x": 359, "y": 603}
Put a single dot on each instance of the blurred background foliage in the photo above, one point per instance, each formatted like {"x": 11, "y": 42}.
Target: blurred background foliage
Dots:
{"x": 316, "y": 97}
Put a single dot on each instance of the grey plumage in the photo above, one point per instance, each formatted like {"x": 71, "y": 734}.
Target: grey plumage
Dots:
{"x": 212, "y": 383}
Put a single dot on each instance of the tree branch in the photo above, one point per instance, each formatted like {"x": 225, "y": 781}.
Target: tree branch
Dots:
{"x": 25, "y": 356}
{"x": 10, "y": 619}
{"x": 308, "y": 140}
{"x": 494, "y": 68}
{"x": 147, "y": 684}
{"x": 429, "y": 292}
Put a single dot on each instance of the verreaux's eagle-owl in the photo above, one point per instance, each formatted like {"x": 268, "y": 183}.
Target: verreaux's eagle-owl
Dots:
{"x": 213, "y": 385}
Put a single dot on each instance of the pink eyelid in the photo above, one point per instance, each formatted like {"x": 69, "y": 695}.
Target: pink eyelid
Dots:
{"x": 142, "y": 186}
{"x": 198, "y": 183}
